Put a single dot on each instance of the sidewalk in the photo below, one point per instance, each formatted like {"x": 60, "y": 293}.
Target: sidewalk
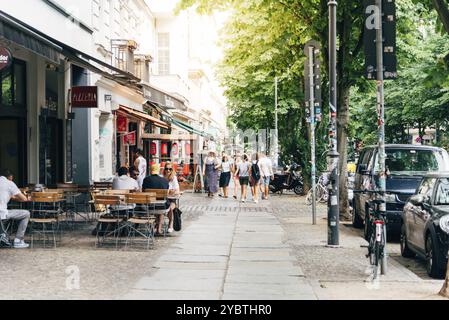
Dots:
{"x": 233, "y": 251}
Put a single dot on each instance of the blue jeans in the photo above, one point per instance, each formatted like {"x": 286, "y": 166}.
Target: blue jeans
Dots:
{"x": 266, "y": 181}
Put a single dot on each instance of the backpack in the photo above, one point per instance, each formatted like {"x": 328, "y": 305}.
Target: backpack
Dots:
{"x": 177, "y": 220}
{"x": 255, "y": 171}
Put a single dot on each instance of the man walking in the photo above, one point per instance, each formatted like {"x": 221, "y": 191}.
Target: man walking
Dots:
{"x": 266, "y": 172}
{"x": 8, "y": 191}
{"x": 141, "y": 166}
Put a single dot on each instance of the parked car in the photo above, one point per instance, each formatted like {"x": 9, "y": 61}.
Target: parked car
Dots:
{"x": 406, "y": 165}
{"x": 425, "y": 227}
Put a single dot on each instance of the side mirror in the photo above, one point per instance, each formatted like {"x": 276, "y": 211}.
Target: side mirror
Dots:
{"x": 417, "y": 199}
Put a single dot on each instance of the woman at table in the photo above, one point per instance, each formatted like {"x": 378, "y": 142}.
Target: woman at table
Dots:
{"x": 173, "y": 190}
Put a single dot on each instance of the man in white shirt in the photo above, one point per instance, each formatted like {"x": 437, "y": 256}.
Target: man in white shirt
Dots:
{"x": 124, "y": 182}
{"x": 266, "y": 173}
{"x": 141, "y": 165}
{"x": 8, "y": 191}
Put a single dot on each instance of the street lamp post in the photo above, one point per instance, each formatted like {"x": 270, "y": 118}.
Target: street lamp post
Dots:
{"x": 276, "y": 121}
{"x": 333, "y": 202}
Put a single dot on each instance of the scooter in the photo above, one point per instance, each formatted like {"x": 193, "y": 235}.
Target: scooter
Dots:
{"x": 290, "y": 180}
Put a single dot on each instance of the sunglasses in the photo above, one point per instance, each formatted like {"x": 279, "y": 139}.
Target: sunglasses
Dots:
{"x": 168, "y": 169}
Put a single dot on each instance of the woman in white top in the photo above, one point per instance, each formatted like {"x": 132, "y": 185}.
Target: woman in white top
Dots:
{"x": 173, "y": 190}
{"x": 141, "y": 165}
{"x": 235, "y": 164}
{"x": 225, "y": 176}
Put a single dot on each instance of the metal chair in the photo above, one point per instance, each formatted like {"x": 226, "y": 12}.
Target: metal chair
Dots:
{"x": 107, "y": 218}
{"x": 159, "y": 205}
{"x": 45, "y": 216}
{"x": 141, "y": 220}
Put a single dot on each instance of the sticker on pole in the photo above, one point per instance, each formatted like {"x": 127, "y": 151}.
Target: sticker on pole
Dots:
{"x": 334, "y": 200}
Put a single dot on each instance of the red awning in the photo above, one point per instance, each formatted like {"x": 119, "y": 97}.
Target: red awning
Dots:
{"x": 143, "y": 116}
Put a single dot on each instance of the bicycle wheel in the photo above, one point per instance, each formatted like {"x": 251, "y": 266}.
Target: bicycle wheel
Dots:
{"x": 324, "y": 194}
{"x": 309, "y": 198}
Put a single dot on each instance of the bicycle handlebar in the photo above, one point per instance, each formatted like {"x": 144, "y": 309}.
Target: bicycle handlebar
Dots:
{"x": 380, "y": 192}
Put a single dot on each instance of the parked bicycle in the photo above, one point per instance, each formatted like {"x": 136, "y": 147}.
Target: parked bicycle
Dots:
{"x": 376, "y": 232}
{"x": 322, "y": 194}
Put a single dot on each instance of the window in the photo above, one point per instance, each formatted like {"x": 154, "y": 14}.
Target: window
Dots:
{"x": 13, "y": 85}
{"x": 426, "y": 188}
{"x": 412, "y": 160}
{"x": 443, "y": 192}
{"x": 163, "y": 44}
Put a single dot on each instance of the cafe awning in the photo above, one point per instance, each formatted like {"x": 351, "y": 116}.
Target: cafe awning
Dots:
{"x": 23, "y": 35}
{"x": 188, "y": 128}
{"x": 144, "y": 117}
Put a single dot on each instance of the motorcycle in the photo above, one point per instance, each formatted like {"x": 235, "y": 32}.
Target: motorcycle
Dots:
{"x": 290, "y": 180}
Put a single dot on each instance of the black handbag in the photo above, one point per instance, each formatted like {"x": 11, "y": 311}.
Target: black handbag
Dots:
{"x": 177, "y": 219}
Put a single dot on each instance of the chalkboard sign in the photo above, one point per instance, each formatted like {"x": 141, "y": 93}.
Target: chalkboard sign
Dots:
{"x": 68, "y": 156}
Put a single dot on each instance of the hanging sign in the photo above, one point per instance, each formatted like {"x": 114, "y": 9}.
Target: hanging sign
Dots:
{"x": 84, "y": 97}
{"x": 122, "y": 124}
{"x": 130, "y": 139}
{"x": 153, "y": 149}
{"x": 174, "y": 149}
{"x": 164, "y": 149}
{"x": 5, "y": 58}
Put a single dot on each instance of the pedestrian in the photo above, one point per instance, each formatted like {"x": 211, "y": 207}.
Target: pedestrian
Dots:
{"x": 255, "y": 177}
{"x": 225, "y": 176}
{"x": 210, "y": 170}
{"x": 141, "y": 167}
{"x": 237, "y": 160}
{"x": 266, "y": 172}
{"x": 8, "y": 191}
{"x": 174, "y": 190}
{"x": 243, "y": 172}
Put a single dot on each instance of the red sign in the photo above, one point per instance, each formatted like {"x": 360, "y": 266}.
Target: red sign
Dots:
{"x": 5, "y": 58}
{"x": 187, "y": 148}
{"x": 122, "y": 124}
{"x": 164, "y": 149}
{"x": 153, "y": 149}
{"x": 84, "y": 97}
{"x": 130, "y": 138}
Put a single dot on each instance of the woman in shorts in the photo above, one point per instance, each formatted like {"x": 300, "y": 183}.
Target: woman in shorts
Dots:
{"x": 243, "y": 172}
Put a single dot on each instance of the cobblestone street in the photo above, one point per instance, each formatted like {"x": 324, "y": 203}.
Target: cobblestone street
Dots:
{"x": 226, "y": 250}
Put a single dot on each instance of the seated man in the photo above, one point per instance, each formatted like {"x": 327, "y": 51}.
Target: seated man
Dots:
{"x": 8, "y": 191}
{"x": 155, "y": 181}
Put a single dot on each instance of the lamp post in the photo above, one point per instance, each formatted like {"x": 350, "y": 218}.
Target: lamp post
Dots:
{"x": 333, "y": 156}
{"x": 276, "y": 159}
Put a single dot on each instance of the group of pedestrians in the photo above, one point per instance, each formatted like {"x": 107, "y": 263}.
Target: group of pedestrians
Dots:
{"x": 256, "y": 173}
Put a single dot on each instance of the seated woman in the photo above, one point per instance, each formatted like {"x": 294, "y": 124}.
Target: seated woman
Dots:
{"x": 173, "y": 188}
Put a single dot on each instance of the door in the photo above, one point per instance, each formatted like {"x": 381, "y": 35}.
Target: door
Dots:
{"x": 419, "y": 214}
{"x": 13, "y": 148}
{"x": 51, "y": 151}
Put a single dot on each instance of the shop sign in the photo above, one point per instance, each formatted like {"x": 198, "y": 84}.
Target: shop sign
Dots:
{"x": 122, "y": 124}
{"x": 130, "y": 139}
{"x": 174, "y": 149}
{"x": 5, "y": 58}
{"x": 164, "y": 149}
{"x": 84, "y": 97}
{"x": 153, "y": 149}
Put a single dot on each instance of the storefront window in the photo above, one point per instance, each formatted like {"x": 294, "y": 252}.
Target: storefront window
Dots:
{"x": 13, "y": 84}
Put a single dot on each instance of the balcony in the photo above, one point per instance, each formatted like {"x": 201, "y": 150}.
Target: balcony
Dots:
{"x": 123, "y": 54}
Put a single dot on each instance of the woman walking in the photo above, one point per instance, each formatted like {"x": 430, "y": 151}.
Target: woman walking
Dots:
{"x": 255, "y": 177}
{"x": 225, "y": 176}
{"x": 210, "y": 170}
{"x": 243, "y": 172}
{"x": 235, "y": 176}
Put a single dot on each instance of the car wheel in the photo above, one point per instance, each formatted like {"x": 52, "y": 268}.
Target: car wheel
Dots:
{"x": 406, "y": 252}
{"x": 299, "y": 190}
{"x": 356, "y": 220}
{"x": 433, "y": 258}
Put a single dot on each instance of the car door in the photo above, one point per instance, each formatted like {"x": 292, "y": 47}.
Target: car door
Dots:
{"x": 421, "y": 213}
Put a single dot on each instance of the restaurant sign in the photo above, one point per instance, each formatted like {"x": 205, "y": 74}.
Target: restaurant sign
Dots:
{"x": 5, "y": 58}
{"x": 84, "y": 97}
{"x": 130, "y": 139}
{"x": 122, "y": 124}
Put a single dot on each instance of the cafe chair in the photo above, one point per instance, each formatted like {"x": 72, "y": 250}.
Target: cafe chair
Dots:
{"x": 159, "y": 206}
{"x": 113, "y": 224}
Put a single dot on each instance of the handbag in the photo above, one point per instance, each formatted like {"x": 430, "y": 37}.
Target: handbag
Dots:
{"x": 177, "y": 219}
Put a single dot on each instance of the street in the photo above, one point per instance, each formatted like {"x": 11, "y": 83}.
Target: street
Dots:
{"x": 226, "y": 250}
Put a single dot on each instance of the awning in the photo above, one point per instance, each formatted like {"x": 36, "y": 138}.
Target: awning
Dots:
{"x": 188, "y": 128}
{"x": 143, "y": 116}
{"x": 160, "y": 98}
{"x": 180, "y": 137}
{"x": 23, "y": 35}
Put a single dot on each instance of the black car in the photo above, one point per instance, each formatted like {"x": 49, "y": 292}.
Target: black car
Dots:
{"x": 406, "y": 165}
{"x": 425, "y": 227}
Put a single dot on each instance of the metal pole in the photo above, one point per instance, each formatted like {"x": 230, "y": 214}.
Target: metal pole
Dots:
{"x": 381, "y": 117}
{"x": 333, "y": 202}
{"x": 312, "y": 129}
{"x": 276, "y": 120}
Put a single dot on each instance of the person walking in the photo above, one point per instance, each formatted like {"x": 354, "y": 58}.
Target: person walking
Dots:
{"x": 243, "y": 172}
{"x": 210, "y": 170}
{"x": 266, "y": 172}
{"x": 141, "y": 167}
{"x": 225, "y": 176}
{"x": 255, "y": 177}
{"x": 237, "y": 160}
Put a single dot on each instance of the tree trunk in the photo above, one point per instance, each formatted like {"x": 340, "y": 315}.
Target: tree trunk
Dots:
{"x": 445, "y": 290}
{"x": 443, "y": 12}
{"x": 343, "y": 120}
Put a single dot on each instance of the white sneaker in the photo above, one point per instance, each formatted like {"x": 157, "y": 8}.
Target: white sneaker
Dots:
{"x": 243, "y": 200}
{"x": 170, "y": 230}
{"x": 20, "y": 244}
{"x": 256, "y": 201}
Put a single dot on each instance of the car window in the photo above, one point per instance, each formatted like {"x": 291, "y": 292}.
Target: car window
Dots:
{"x": 412, "y": 160}
{"x": 442, "y": 197}
{"x": 426, "y": 187}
